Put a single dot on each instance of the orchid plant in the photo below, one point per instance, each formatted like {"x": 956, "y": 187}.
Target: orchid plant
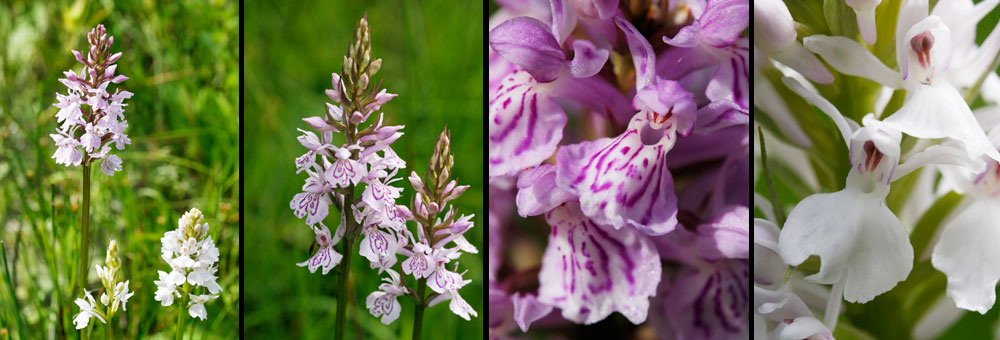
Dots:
{"x": 351, "y": 154}
{"x": 193, "y": 259}
{"x": 899, "y": 209}
{"x": 91, "y": 121}
{"x": 114, "y": 296}
{"x": 623, "y": 124}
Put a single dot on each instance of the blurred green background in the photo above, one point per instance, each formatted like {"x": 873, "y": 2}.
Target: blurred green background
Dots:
{"x": 432, "y": 54}
{"x": 182, "y": 60}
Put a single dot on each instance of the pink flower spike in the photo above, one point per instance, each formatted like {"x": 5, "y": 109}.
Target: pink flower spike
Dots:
{"x": 114, "y": 57}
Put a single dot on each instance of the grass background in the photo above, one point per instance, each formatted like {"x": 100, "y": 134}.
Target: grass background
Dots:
{"x": 182, "y": 60}
{"x": 432, "y": 54}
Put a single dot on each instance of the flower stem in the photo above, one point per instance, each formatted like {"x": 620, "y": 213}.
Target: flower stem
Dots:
{"x": 84, "y": 228}
{"x": 418, "y": 313}
{"x": 343, "y": 290}
{"x": 180, "y": 314}
{"x": 109, "y": 333}
{"x": 84, "y": 232}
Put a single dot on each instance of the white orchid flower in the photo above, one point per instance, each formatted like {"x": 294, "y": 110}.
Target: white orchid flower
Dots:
{"x": 933, "y": 107}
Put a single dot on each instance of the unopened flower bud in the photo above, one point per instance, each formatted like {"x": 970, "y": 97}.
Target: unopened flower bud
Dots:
{"x": 357, "y": 118}
{"x": 363, "y": 83}
{"x": 433, "y": 208}
{"x": 416, "y": 182}
{"x": 375, "y": 66}
{"x": 404, "y": 212}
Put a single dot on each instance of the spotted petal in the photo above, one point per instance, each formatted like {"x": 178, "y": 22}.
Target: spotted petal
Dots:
{"x": 731, "y": 80}
{"x": 711, "y": 302}
{"x": 313, "y": 206}
{"x": 525, "y": 125}
{"x": 591, "y": 270}
{"x": 623, "y": 181}
{"x": 325, "y": 258}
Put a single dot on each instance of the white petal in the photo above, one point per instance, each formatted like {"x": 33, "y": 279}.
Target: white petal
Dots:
{"x": 804, "y": 327}
{"x": 939, "y": 111}
{"x": 198, "y": 311}
{"x": 460, "y": 307}
{"x": 802, "y": 60}
{"x": 768, "y": 268}
{"x": 968, "y": 255}
{"x": 849, "y": 57}
{"x": 854, "y": 235}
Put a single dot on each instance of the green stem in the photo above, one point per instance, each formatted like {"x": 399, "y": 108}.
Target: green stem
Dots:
{"x": 418, "y": 314}
{"x": 180, "y": 313}
{"x": 109, "y": 332}
{"x": 343, "y": 290}
{"x": 84, "y": 232}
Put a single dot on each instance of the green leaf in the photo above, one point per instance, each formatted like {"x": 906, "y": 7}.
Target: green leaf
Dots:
{"x": 928, "y": 224}
{"x": 846, "y": 331}
{"x": 840, "y": 18}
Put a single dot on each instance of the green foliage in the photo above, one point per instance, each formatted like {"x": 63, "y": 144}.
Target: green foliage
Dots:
{"x": 182, "y": 60}
{"x": 432, "y": 54}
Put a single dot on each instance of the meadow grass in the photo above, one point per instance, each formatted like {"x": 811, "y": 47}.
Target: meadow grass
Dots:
{"x": 182, "y": 60}
{"x": 432, "y": 54}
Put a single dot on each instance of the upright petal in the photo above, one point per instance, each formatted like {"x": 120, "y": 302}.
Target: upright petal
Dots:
{"x": 529, "y": 43}
{"x": 968, "y": 255}
{"x": 864, "y": 10}
{"x": 642, "y": 53}
{"x": 590, "y": 270}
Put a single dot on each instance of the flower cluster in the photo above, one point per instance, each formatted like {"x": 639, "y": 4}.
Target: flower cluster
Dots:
{"x": 363, "y": 157}
{"x": 428, "y": 254}
{"x": 115, "y": 294}
{"x": 913, "y": 95}
{"x": 193, "y": 258}
{"x": 622, "y": 230}
{"x": 345, "y": 156}
{"x": 91, "y": 116}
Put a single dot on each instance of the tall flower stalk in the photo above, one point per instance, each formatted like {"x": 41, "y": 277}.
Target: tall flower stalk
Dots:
{"x": 115, "y": 295}
{"x": 193, "y": 258}
{"x": 91, "y": 120}
{"x": 365, "y": 162}
{"x": 427, "y": 257}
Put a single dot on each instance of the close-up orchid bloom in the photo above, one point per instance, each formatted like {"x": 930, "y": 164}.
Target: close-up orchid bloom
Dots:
{"x": 875, "y": 179}
{"x": 622, "y": 125}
